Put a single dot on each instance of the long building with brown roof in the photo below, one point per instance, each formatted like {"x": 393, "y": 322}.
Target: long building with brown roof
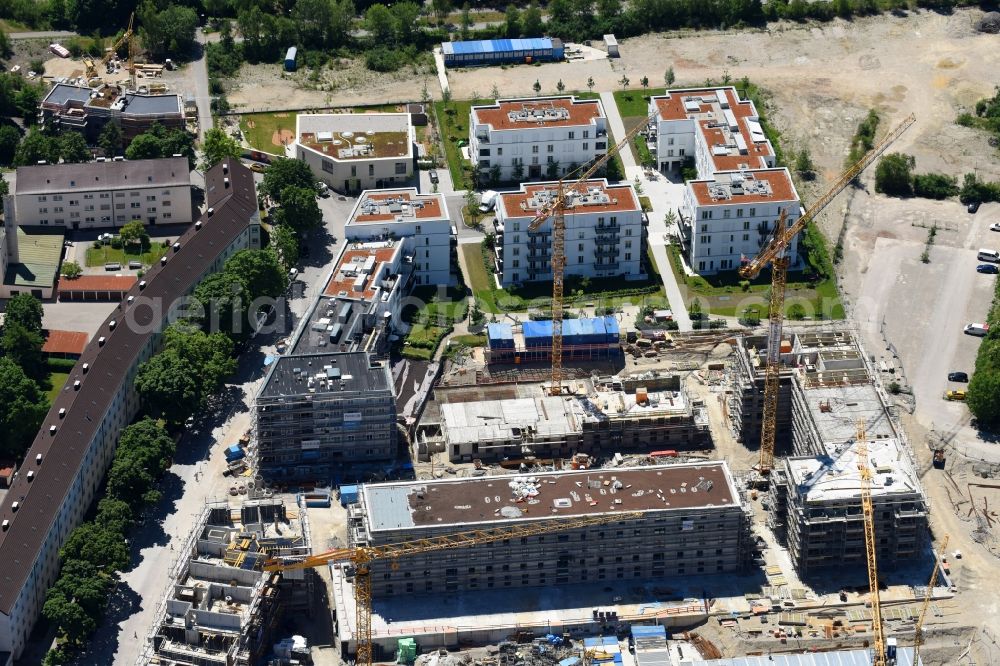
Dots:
{"x": 62, "y": 471}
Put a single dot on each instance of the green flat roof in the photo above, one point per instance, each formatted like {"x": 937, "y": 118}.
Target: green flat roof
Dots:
{"x": 39, "y": 250}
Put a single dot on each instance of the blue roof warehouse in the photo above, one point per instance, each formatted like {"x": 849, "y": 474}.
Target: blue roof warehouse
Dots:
{"x": 499, "y": 51}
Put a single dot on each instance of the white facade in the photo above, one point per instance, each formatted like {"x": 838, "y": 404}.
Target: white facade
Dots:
{"x": 100, "y": 195}
{"x": 736, "y": 223}
{"x": 354, "y": 152}
{"x": 543, "y": 137}
{"x": 603, "y": 234}
{"x": 721, "y": 222}
{"x": 420, "y": 220}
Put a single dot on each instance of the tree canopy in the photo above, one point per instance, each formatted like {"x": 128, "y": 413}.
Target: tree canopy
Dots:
{"x": 299, "y": 209}
{"x": 167, "y": 32}
{"x": 26, "y": 310}
{"x": 283, "y": 173}
{"x": 23, "y": 346}
{"x": 893, "y": 175}
{"x": 134, "y": 234}
{"x": 22, "y": 409}
{"x": 218, "y": 146}
{"x": 158, "y": 142}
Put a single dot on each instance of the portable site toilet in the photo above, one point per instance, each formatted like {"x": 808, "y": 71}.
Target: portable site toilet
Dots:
{"x": 612, "y": 44}
{"x": 290, "y": 59}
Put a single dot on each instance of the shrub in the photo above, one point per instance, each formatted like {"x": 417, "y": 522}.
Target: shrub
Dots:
{"x": 384, "y": 59}
{"x": 893, "y": 175}
{"x": 935, "y": 185}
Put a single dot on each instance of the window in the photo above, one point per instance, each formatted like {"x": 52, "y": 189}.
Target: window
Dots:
{"x": 57, "y": 197}
{"x": 628, "y": 243}
{"x": 328, "y": 166}
{"x": 670, "y": 152}
{"x": 516, "y": 263}
{"x": 550, "y": 159}
{"x": 534, "y": 149}
{"x": 739, "y": 212}
{"x": 746, "y": 225}
{"x": 166, "y": 203}
{"x": 705, "y": 240}
{"x": 670, "y": 141}
{"x": 133, "y": 194}
{"x": 586, "y": 146}
{"x": 572, "y": 135}
{"x": 74, "y": 202}
{"x": 701, "y": 265}
{"x": 40, "y": 199}
{"x": 753, "y": 212}
{"x": 704, "y": 228}
{"x": 105, "y": 206}
{"x": 371, "y": 170}
{"x": 58, "y": 209}
{"x": 600, "y": 145}
{"x": 43, "y": 210}
{"x": 534, "y": 160}
{"x": 628, "y": 256}
{"x": 134, "y": 204}
{"x": 628, "y": 231}
{"x": 746, "y": 237}
{"x": 725, "y": 214}
{"x": 88, "y": 196}
{"x": 706, "y": 214}
{"x": 680, "y": 152}
{"x": 484, "y": 152}
{"x": 151, "y": 197}
{"x": 105, "y": 195}
{"x": 550, "y": 148}
{"x": 354, "y": 170}
{"x": 499, "y": 151}
{"x": 580, "y": 247}
{"x": 579, "y": 260}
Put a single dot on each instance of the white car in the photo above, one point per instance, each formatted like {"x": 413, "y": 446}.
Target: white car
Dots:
{"x": 995, "y": 226}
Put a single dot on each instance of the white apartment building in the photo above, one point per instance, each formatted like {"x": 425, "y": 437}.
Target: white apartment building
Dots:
{"x": 603, "y": 233}
{"x": 351, "y": 152}
{"x": 541, "y": 137}
{"x": 732, "y": 206}
{"x": 62, "y": 470}
{"x": 420, "y": 220}
{"x": 97, "y": 195}
{"x": 732, "y": 215}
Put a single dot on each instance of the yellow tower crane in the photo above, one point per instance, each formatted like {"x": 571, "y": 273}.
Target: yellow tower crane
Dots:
{"x": 109, "y": 52}
{"x": 363, "y": 556}
{"x": 775, "y": 252}
{"x": 555, "y": 209}
{"x": 918, "y": 630}
{"x": 868, "y": 516}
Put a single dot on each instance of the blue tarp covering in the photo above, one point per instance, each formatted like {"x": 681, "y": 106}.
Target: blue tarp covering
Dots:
{"x": 234, "y": 452}
{"x": 500, "y": 336}
{"x": 348, "y": 495}
{"x": 570, "y": 661}
{"x": 586, "y": 331}
{"x": 592, "y": 641}
{"x": 609, "y": 640}
{"x": 642, "y": 631}
{"x": 495, "y": 46}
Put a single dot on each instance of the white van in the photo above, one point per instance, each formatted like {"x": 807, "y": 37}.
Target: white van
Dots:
{"x": 977, "y": 329}
{"x": 988, "y": 255}
{"x": 487, "y": 201}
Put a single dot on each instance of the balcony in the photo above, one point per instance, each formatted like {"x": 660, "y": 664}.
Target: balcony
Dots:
{"x": 607, "y": 267}
{"x": 483, "y": 138}
{"x": 602, "y": 251}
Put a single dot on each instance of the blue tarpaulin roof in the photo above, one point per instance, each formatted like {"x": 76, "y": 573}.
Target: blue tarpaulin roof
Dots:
{"x": 499, "y": 332}
{"x": 571, "y": 327}
{"x": 495, "y": 46}
{"x": 641, "y": 631}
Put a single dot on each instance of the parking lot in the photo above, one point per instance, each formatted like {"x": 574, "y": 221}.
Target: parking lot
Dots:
{"x": 919, "y": 309}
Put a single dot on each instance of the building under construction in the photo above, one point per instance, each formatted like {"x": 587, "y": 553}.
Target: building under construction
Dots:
{"x": 88, "y": 110}
{"x": 221, "y": 607}
{"x": 746, "y": 399}
{"x": 596, "y": 418}
{"x": 693, "y": 521}
{"x": 815, "y": 493}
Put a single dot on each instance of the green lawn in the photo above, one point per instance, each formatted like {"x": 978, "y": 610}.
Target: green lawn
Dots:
{"x": 635, "y": 102}
{"x": 599, "y": 291}
{"x": 432, "y": 321}
{"x": 57, "y": 379}
{"x": 453, "y": 123}
{"x": 722, "y": 294}
{"x": 98, "y": 256}
{"x": 260, "y": 130}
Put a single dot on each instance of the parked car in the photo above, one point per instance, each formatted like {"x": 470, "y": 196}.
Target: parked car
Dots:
{"x": 958, "y": 376}
{"x": 954, "y": 395}
{"x": 992, "y": 269}
{"x": 258, "y": 167}
{"x": 995, "y": 226}
{"x": 973, "y": 207}
{"x": 977, "y": 329}
{"x": 322, "y": 189}
{"x": 435, "y": 179}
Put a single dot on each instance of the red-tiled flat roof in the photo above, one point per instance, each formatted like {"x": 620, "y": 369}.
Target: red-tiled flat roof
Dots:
{"x": 782, "y": 189}
{"x": 64, "y": 342}
{"x": 622, "y": 199}
{"x": 98, "y": 283}
{"x": 581, "y": 112}
{"x": 430, "y": 208}
{"x": 345, "y": 283}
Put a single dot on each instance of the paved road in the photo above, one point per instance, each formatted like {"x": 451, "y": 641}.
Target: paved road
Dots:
{"x": 42, "y": 34}
{"x": 202, "y": 97}
{"x": 664, "y": 196}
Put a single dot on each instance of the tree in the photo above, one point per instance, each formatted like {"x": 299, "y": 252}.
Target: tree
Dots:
{"x": 560, "y": 86}
{"x": 285, "y": 242}
{"x": 624, "y": 81}
{"x": 9, "y": 138}
{"x": 512, "y": 22}
{"x": 405, "y": 15}
{"x": 4, "y": 44}
{"x": 532, "y": 24}
{"x": 668, "y": 76}
{"x": 466, "y": 21}
{"x": 26, "y": 310}
{"x": 379, "y": 23}
{"x": 110, "y": 139}
{"x": 613, "y": 170}
{"x": 261, "y": 272}
{"x": 590, "y": 83}
{"x": 168, "y": 32}
{"x": 935, "y": 185}
{"x": 495, "y": 174}
{"x": 22, "y": 409}
{"x": 804, "y": 165}
{"x": 299, "y": 209}
{"x": 115, "y": 513}
{"x": 168, "y": 386}
{"x": 609, "y": 12}
{"x": 283, "y": 173}
{"x": 218, "y": 146}
{"x": 73, "y": 148}
{"x": 472, "y": 207}
{"x": 518, "y": 172}
{"x": 134, "y": 235}
{"x": 24, "y": 347}
{"x": 537, "y": 86}
{"x": 27, "y": 100}
{"x": 893, "y": 175}
{"x": 644, "y": 82}
{"x": 36, "y": 147}
{"x": 984, "y": 396}
{"x": 695, "y": 310}
{"x": 4, "y": 186}
{"x": 85, "y": 584}
{"x": 71, "y": 270}
{"x": 441, "y": 9}
{"x": 552, "y": 169}
{"x": 160, "y": 142}
{"x": 313, "y": 19}
{"x": 99, "y": 545}
{"x": 224, "y": 298}
{"x": 73, "y": 621}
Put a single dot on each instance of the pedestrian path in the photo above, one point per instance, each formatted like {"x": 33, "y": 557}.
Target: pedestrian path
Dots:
{"x": 617, "y": 128}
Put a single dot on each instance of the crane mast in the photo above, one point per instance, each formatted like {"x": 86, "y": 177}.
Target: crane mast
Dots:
{"x": 362, "y": 558}
{"x": 918, "y": 630}
{"x": 871, "y": 546}
{"x": 556, "y": 210}
{"x": 775, "y": 253}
